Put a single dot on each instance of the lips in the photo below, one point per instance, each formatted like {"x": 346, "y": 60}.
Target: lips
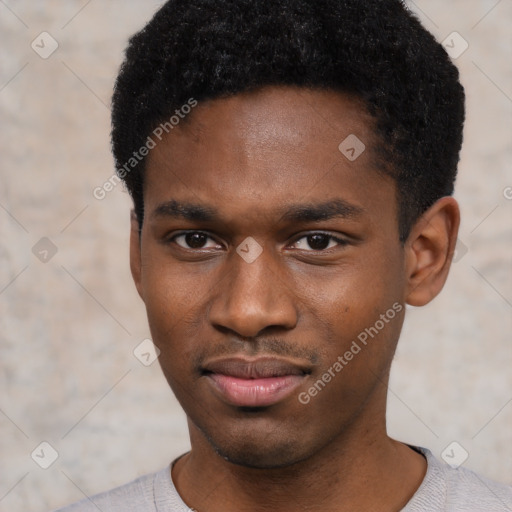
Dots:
{"x": 254, "y": 383}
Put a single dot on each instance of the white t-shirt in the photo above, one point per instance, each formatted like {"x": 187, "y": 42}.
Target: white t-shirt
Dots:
{"x": 444, "y": 489}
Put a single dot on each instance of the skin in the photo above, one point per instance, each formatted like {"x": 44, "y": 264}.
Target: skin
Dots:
{"x": 249, "y": 156}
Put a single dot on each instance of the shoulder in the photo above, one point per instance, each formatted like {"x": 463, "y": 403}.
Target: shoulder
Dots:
{"x": 449, "y": 489}
{"x": 475, "y": 492}
{"x": 137, "y": 495}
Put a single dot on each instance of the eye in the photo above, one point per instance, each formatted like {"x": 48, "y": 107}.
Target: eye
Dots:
{"x": 318, "y": 241}
{"x": 194, "y": 240}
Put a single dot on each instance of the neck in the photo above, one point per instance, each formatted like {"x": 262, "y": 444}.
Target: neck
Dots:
{"x": 362, "y": 469}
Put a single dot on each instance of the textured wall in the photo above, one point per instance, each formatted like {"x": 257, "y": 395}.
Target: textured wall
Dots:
{"x": 69, "y": 325}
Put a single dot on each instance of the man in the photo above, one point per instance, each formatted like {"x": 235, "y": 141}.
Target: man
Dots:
{"x": 292, "y": 166}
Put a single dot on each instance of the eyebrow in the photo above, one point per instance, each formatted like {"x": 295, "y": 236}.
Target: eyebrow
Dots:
{"x": 306, "y": 212}
{"x": 314, "y": 212}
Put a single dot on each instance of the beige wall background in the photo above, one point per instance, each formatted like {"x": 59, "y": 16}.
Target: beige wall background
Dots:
{"x": 69, "y": 325}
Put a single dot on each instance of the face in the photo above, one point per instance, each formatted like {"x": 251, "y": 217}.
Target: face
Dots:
{"x": 266, "y": 257}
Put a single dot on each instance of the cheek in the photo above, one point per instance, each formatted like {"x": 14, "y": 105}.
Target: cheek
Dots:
{"x": 173, "y": 298}
{"x": 360, "y": 303}
{"x": 364, "y": 326}
{"x": 170, "y": 288}
{"x": 351, "y": 291}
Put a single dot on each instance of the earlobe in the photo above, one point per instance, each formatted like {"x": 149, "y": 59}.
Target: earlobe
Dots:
{"x": 429, "y": 251}
{"x": 135, "y": 254}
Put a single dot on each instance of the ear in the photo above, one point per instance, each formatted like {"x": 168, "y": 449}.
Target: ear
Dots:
{"x": 429, "y": 251}
{"x": 135, "y": 256}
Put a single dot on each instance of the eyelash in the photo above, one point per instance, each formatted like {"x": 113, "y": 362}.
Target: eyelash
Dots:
{"x": 340, "y": 241}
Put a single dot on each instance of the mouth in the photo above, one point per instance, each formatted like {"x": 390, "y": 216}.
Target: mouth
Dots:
{"x": 254, "y": 383}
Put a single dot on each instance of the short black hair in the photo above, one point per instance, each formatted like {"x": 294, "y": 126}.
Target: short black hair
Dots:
{"x": 375, "y": 49}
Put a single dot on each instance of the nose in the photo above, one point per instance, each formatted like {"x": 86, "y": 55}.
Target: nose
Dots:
{"x": 253, "y": 296}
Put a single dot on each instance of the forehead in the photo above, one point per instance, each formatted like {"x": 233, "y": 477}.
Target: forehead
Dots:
{"x": 266, "y": 148}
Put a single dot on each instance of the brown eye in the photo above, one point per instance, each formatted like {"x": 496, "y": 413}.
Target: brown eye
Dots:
{"x": 194, "y": 240}
{"x": 318, "y": 241}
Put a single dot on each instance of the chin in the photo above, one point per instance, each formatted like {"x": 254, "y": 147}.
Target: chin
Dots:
{"x": 262, "y": 457}
{"x": 259, "y": 452}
